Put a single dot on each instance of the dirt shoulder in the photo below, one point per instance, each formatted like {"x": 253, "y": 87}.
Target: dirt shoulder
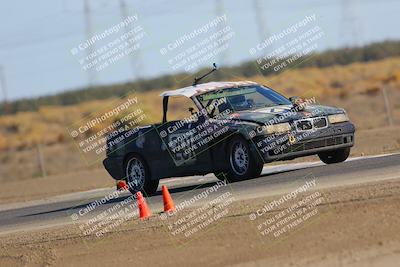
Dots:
{"x": 354, "y": 226}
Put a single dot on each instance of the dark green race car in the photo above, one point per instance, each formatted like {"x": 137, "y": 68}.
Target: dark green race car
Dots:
{"x": 234, "y": 129}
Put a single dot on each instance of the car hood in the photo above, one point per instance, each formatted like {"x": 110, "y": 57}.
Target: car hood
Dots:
{"x": 283, "y": 113}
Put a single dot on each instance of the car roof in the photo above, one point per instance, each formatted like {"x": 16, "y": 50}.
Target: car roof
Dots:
{"x": 202, "y": 88}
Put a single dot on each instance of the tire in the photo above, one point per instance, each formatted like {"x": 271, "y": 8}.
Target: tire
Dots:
{"x": 334, "y": 156}
{"x": 242, "y": 164}
{"x": 138, "y": 177}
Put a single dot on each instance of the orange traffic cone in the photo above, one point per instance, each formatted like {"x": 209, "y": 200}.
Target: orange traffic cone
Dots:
{"x": 121, "y": 185}
{"x": 167, "y": 199}
{"x": 144, "y": 211}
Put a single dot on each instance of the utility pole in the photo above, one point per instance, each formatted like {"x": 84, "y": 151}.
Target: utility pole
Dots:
{"x": 40, "y": 159}
{"x": 89, "y": 34}
{"x": 260, "y": 20}
{"x": 219, "y": 12}
{"x": 387, "y": 106}
{"x": 4, "y": 90}
{"x": 135, "y": 62}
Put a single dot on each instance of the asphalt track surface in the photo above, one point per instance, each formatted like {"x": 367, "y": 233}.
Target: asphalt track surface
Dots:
{"x": 275, "y": 180}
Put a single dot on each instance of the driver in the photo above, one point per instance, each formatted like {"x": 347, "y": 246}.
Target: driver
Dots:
{"x": 239, "y": 102}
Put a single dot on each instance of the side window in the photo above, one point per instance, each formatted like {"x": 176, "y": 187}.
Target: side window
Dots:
{"x": 178, "y": 108}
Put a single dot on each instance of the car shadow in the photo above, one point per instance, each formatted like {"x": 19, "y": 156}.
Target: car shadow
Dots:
{"x": 73, "y": 209}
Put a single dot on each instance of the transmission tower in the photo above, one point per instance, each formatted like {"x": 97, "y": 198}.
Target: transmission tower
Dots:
{"x": 260, "y": 20}
{"x": 4, "y": 90}
{"x": 351, "y": 27}
{"x": 89, "y": 34}
{"x": 135, "y": 62}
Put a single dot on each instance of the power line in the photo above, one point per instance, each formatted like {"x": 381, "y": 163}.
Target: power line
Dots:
{"x": 89, "y": 34}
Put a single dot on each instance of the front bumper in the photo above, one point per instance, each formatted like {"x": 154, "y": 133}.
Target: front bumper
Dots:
{"x": 115, "y": 167}
{"x": 299, "y": 144}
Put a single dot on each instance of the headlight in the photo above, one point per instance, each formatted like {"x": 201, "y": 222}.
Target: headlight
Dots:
{"x": 338, "y": 118}
{"x": 277, "y": 128}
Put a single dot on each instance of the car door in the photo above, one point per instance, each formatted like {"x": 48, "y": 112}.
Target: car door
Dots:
{"x": 180, "y": 138}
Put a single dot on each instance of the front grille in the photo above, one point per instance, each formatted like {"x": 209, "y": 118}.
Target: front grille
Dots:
{"x": 320, "y": 122}
{"x": 304, "y": 125}
{"x": 311, "y": 123}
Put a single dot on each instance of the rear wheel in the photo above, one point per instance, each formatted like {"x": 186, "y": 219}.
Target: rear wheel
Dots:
{"x": 334, "y": 156}
{"x": 241, "y": 162}
{"x": 138, "y": 176}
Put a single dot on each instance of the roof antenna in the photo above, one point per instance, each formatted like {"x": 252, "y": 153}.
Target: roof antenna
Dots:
{"x": 197, "y": 80}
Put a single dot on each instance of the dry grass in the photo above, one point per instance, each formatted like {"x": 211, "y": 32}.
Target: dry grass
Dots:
{"x": 356, "y": 87}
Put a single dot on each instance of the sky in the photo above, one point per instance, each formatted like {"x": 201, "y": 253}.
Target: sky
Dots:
{"x": 37, "y": 37}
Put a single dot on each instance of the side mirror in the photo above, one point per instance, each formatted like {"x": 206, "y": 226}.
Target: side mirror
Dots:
{"x": 297, "y": 102}
{"x": 294, "y": 99}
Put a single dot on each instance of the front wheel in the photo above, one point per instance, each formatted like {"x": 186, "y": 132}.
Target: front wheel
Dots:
{"x": 138, "y": 176}
{"x": 241, "y": 162}
{"x": 334, "y": 156}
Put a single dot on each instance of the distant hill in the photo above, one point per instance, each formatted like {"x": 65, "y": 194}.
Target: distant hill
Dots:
{"x": 342, "y": 56}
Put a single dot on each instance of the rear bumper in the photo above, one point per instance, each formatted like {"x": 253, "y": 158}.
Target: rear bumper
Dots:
{"x": 115, "y": 167}
{"x": 305, "y": 144}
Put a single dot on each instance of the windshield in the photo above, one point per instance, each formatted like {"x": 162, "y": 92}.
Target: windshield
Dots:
{"x": 241, "y": 98}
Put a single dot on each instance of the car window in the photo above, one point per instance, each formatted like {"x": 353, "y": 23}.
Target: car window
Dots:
{"x": 241, "y": 98}
{"x": 178, "y": 108}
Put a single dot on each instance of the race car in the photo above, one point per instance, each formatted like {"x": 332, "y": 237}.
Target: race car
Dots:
{"x": 234, "y": 129}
